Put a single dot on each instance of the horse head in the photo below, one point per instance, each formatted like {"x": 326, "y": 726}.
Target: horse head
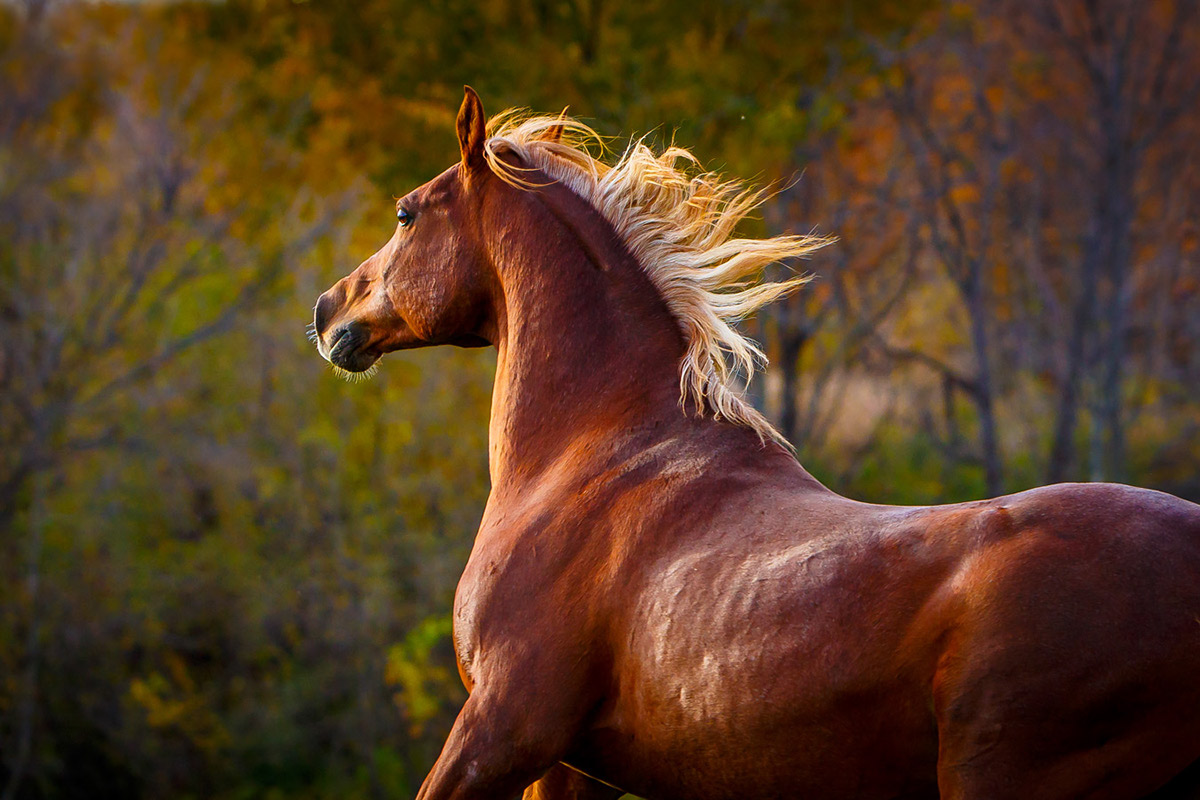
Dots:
{"x": 430, "y": 284}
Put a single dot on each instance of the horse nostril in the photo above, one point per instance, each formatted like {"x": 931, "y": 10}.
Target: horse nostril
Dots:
{"x": 326, "y": 305}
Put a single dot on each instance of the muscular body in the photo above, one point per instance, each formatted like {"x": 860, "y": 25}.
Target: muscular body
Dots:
{"x": 987, "y": 649}
{"x": 659, "y": 601}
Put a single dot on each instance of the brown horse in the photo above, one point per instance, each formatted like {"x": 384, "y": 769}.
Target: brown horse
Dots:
{"x": 661, "y": 599}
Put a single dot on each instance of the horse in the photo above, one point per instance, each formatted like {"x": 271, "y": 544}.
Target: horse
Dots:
{"x": 661, "y": 600}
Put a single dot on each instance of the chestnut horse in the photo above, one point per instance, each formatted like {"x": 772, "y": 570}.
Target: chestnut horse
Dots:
{"x": 661, "y": 600}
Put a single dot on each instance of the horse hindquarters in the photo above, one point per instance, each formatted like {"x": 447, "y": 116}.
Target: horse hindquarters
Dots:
{"x": 1073, "y": 668}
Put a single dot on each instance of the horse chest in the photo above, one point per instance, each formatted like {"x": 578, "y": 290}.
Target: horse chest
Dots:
{"x": 475, "y": 607}
{"x": 513, "y": 591}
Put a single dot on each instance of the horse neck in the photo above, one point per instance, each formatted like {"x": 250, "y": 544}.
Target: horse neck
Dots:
{"x": 589, "y": 355}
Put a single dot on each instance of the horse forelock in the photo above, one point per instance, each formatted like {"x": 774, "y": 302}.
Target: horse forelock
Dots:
{"x": 678, "y": 223}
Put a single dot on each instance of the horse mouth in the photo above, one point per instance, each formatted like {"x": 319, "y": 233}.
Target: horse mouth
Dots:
{"x": 348, "y": 349}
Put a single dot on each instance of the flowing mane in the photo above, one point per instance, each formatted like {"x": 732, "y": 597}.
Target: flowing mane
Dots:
{"x": 678, "y": 223}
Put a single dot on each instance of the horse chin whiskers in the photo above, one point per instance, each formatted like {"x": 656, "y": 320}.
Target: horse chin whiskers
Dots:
{"x": 352, "y": 376}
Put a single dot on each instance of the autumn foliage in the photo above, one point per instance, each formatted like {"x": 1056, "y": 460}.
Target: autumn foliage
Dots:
{"x": 224, "y": 572}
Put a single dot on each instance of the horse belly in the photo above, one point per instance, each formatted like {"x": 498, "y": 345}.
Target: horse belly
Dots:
{"x": 772, "y": 687}
{"x": 739, "y": 742}
{"x": 666, "y": 763}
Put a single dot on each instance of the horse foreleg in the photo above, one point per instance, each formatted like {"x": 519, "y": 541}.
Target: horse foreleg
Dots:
{"x": 563, "y": 783}
{"x": 498, "y": 746}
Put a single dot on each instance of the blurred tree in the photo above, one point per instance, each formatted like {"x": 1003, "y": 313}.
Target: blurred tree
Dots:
{"x": 225, "y": 573}
{"x": 1126, "y": 75}
{"x": 992, "y": 129}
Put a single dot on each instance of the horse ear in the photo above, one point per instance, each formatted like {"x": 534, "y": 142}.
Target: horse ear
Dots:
{"x": 554, "y": 133}
{"x": 471, "y": 130}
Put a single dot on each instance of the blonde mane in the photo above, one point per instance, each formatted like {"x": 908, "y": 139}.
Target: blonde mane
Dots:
{"x": 679, "y": 225}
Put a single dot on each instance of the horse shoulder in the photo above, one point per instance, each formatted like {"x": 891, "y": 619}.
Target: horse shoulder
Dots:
{"x": 528, "y": 597}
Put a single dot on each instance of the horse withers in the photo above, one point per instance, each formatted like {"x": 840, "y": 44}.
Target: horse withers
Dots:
{"x": 661, "y": 600}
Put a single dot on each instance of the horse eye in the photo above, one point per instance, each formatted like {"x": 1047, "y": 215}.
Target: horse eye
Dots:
{"x": 404, "y": 216}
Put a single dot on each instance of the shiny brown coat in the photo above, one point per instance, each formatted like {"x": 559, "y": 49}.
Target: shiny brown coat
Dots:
{"x": 659, "y": 602}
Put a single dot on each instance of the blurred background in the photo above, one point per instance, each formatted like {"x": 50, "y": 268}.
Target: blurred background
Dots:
{"x": 226, "y": 573}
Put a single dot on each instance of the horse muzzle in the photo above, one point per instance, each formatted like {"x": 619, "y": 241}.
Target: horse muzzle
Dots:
{"x": 347, "y": 347}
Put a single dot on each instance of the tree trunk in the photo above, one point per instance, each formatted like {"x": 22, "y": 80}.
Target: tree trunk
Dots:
{"x": 27, "y": 698}
{"x": 791, "y": 347}
{"x": 1062, "y": 451}
{"x": 1119, "y": 188}
{"x": 977, "y": 304}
